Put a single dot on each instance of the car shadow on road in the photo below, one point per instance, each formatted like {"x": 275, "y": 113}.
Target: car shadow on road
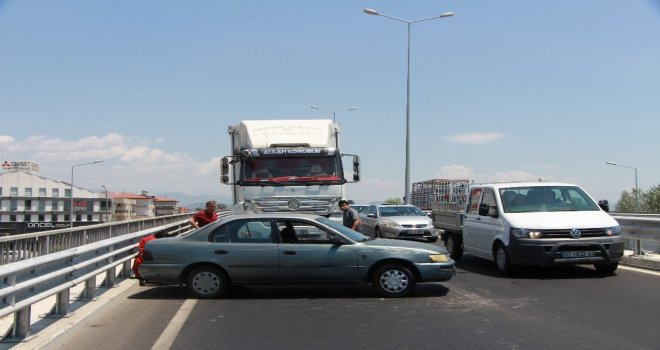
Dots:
{"x": 425, "y": 290}
{"x": 472, "y": 264}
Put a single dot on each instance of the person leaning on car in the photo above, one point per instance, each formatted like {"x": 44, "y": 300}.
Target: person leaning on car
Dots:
{"x": 205, "y": 216}
{"x": 350, "y": 217}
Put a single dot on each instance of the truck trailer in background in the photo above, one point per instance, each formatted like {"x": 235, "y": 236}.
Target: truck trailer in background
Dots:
{"x": 286, "y": 165}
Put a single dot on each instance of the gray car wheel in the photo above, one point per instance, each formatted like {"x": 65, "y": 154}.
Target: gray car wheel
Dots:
{"x": 394, "y": 281}
{"x": 207, "y": 282}
{"x": 378, "y": 233}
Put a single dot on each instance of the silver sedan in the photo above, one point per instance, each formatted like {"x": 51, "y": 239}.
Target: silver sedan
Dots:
{"x": 397, "y": 221}
{"x": 290, "y": 249}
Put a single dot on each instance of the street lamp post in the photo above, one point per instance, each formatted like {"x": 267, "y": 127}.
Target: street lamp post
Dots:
{"x": 71, "y": 200}
{"x": 636, "y": 188}
{"x": 637, "y": 246}
{"x": 334, "y": 113}
{"x": 106, "y": 202}
{"x": 376, "y": 13}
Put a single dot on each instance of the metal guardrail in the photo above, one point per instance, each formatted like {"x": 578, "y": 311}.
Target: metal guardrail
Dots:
{"x": 60, "y": 263}
{"x": 31, "y": 245}
{"x": 639, "y": 228}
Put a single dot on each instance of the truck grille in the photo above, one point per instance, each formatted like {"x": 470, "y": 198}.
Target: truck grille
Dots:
{"x": 319, "y": 206}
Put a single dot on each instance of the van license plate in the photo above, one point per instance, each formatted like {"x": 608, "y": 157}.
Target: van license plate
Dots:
{"x": 578, "y": 254}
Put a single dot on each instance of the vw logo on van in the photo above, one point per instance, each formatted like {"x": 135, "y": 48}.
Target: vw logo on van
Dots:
{"x": 575, "y": 233}
{"x": 293, "y": 204}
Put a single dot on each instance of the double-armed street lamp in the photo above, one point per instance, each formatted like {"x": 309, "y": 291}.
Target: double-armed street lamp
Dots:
{"x": 376, "y": 13}
{"x": 334, "y": 113}
{"x": 636, "y": 188}
{"x": 71, "y": 200}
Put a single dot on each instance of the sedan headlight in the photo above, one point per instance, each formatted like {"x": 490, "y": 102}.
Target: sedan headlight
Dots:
{"x": 436, "y": 258}
{"x": 526, "y": 233}
{"x": 613, "y": 231}
{"x": 390, "y": 223}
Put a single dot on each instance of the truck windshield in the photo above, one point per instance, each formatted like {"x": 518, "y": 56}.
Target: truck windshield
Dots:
{"x": 288, "y": 170}
{"x": 545, "y": 199}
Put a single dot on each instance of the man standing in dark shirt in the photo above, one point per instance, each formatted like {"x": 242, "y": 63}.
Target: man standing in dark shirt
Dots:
{"x": 204, "y": 217}
{"x": 350, "y": 217}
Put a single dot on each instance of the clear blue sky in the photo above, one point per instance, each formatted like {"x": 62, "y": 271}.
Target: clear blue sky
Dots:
{"x": 504, "y": 90}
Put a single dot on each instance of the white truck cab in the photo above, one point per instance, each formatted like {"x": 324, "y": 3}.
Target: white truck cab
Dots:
{"x": 537, "y": 223}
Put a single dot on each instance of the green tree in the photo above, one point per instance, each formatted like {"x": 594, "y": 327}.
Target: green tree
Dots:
{"x": 652, "y": 200}
{"x": 394, "y": 201}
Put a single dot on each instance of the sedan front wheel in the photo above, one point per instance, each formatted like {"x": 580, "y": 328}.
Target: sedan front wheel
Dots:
{"x": 394, "y": 281}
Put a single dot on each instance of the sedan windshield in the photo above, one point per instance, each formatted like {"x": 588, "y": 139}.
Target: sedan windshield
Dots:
{"x": 354, "y": 235}
{"x": 400, "y": 211}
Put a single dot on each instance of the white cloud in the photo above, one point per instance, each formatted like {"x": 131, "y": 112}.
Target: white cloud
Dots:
{"x": 475, "y": 138}
{"x": 5, "y": 140}
{"x": 456, "y": 171}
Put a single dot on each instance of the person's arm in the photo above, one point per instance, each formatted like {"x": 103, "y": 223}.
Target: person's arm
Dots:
{"x": 356, "y": 224}
{"x": 193, "y": 222}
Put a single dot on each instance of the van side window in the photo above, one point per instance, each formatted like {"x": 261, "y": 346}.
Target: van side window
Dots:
{"x": 473, "y": 204}
{"x": 488, "y": 205}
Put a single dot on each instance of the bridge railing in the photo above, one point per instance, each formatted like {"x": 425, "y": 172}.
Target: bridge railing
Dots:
{"x": 50, "y": 263}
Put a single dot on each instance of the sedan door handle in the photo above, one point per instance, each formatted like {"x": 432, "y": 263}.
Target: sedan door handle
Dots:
{"x": 288, "y": 252}
{"x": 220, "y": 252}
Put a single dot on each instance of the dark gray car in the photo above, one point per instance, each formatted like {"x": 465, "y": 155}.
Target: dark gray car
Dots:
{"x": 290, "y": 249}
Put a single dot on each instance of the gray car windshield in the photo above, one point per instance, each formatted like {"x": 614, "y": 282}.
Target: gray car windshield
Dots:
{"x": 545, "y": 199}
{"x": 400, "y": 211}
{"x": 353, "y": 235}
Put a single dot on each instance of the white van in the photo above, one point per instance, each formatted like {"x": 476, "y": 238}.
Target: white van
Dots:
{"x": 539, "y": 223}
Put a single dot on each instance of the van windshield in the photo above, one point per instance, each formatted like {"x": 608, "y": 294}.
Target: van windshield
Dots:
{"x": 545, "y": 199}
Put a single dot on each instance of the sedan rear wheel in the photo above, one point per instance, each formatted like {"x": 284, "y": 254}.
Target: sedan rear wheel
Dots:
{"x": 207, "y": 282}
{"x": 394, "y": 281}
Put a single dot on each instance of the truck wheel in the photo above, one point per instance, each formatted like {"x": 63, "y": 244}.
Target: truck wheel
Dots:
{"x": 454, "y": 247}
{"x": 207, "y": 282}
{"x": 393, "y": 281}
{"x": 606, "y": 269}
{"x": 502, "y": 259}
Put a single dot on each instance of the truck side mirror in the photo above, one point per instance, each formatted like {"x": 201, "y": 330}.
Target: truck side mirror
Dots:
{"x": 356, "y": 168}
{"x": 224, "y": 170}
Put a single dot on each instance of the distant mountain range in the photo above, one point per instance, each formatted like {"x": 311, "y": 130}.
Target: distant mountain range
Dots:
{"x": 193, "y": 202}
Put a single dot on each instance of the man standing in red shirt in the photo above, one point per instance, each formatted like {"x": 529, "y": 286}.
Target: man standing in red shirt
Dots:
{"x": 204, "y": 217}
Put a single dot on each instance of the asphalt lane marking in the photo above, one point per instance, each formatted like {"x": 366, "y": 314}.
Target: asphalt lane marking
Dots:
{"x": 168, "y": 336}
{"x": 642, "y": 270}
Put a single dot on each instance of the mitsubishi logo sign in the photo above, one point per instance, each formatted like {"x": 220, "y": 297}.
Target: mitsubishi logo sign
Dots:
{"x": 575, "y": 233}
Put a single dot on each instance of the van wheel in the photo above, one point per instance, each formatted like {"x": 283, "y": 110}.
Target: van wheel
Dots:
{"x": 454, "y": 246}
{"x": 606, "y": 269}
{"x": 207, "y": 282}
{"x": 502, "y": 259}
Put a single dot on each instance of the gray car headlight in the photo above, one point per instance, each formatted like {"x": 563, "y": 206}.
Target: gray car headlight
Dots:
{"x": 390, "y": 223}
